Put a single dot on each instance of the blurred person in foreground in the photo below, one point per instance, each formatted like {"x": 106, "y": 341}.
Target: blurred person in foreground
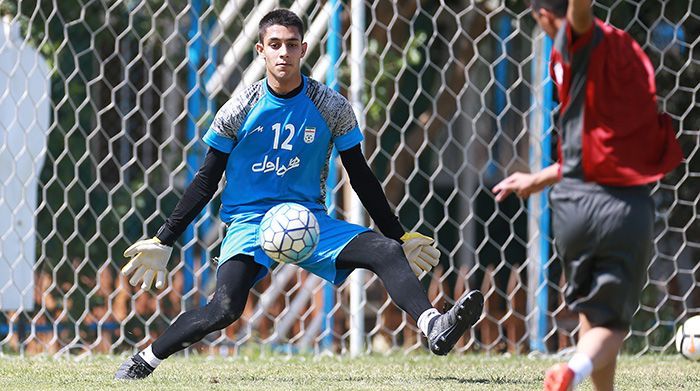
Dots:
{"x": 288, "y": 117}
{"x": 613, "y": 143}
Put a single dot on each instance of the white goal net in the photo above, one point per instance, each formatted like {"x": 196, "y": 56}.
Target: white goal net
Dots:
{"x": 102, "y": 109}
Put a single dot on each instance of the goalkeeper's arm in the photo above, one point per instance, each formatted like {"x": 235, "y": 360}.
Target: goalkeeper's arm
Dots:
{"x": 149, "y": 257}
{"x": 369, "y": 190}
{"x": 196, "y": 197}
{"x": 421, "y": 255}
{"x": 580, "y": 15}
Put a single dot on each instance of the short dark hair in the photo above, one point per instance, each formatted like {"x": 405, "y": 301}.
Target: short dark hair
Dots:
{"x": 557, "y": 7}
{"x": 282, "y": 17}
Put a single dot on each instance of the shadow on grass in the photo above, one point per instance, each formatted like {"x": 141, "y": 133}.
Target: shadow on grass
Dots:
{"x": 483, "y": 380}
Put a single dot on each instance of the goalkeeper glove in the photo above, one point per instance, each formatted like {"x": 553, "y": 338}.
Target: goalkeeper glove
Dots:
{"x": 149, "y": 259}
{"x": 419, "y": 252}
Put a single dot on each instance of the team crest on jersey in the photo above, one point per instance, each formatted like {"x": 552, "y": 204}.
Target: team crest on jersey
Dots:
{"x": 309, "y": 135}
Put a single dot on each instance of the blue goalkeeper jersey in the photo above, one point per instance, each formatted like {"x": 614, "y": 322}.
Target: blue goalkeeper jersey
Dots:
{"x": 280, "y": 148}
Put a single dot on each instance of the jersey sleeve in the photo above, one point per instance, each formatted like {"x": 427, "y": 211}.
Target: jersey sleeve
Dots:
{"x": 346, "y": 133}
{"x": 338, "y": 114}
{"x": 223, "y": 132}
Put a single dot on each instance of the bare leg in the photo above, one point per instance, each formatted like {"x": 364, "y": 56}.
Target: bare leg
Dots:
{"x": 602, "y": 345}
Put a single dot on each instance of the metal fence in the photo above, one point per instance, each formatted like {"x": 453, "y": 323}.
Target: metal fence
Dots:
{"x": 103, "y": 105}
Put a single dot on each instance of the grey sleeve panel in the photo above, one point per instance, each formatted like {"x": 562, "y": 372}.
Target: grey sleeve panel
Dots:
{"x": 334, "y": 108}
{"x": 232, "y": 114}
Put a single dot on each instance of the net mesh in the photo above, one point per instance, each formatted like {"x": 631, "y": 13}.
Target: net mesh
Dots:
{"x": 103, "y": 105}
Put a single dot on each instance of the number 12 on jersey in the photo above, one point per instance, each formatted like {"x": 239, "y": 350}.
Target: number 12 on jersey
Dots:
{"x": 286, "y": 144}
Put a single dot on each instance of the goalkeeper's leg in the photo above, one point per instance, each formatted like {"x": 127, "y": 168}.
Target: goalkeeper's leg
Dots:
{"x": 385, "y": 258}
{"x": 234, "y": 279}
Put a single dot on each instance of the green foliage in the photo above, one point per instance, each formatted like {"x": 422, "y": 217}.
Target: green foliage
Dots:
{"x": 8, "y": 8}
{"x": 84, "y": 203}
{"x": 385, "y": 68}
{"x": 83, "y": 207}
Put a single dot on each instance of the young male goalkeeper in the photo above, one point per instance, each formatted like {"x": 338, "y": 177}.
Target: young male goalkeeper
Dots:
{"x": 291, "y": 122}
{"x": 613, "y": 142}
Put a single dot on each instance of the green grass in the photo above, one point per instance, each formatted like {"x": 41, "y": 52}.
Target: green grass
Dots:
{"x": 409, "y": 372}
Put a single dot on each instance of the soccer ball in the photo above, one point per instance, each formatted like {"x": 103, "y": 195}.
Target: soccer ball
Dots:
{"x": 688, "y": 339}
{"x": 289, "y": 233}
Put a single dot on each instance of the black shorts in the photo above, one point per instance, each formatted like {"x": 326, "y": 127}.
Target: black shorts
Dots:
{"x": 604, "y": 237}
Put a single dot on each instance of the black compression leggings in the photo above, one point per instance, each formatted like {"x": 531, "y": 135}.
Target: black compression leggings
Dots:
{"x": 234, "y": 279}
{"x": 372, "y": 251}
{"x": 385, "y": 258}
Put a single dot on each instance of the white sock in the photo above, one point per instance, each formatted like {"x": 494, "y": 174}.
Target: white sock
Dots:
{"x": 149, "y": 357}
{"x": 582, "y": 367}
{"x": 425, "y": 318}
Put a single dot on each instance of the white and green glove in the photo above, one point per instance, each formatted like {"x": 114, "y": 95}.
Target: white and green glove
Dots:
{"x": 421, "y": 255}
{"x": 149, "y": 258}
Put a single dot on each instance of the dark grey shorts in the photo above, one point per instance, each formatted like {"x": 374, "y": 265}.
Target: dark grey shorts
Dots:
{"x": 604, "y": 237}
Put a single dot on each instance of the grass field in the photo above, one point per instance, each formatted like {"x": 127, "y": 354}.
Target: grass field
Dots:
{"x": 413, "y": 372}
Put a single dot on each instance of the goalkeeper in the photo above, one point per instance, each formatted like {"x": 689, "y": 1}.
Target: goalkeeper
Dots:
{"x": 288, "y": 117}
{"x": 613, "y": 143}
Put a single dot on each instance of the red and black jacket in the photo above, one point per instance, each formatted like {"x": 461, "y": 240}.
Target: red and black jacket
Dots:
{"x": 611, "y": 131}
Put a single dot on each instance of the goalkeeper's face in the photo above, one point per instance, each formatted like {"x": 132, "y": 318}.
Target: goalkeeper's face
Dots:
{"x": 282, "y": 48}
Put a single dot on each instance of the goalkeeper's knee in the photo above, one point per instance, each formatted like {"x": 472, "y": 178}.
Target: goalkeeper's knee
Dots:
{"x": 390, "y": 250}
{"x": 220, "y": 317}
{"x": 221, "y": 321}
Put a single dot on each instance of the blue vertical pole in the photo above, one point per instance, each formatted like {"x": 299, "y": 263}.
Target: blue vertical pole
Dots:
{"x": 333, "y": 49}
{"x": 209, "y": 110}
{"x": 499, "y": 96}
{"x": 542, "y": 298}
{"x": 504, "y": 30}
{"x": 196, "y": 104}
